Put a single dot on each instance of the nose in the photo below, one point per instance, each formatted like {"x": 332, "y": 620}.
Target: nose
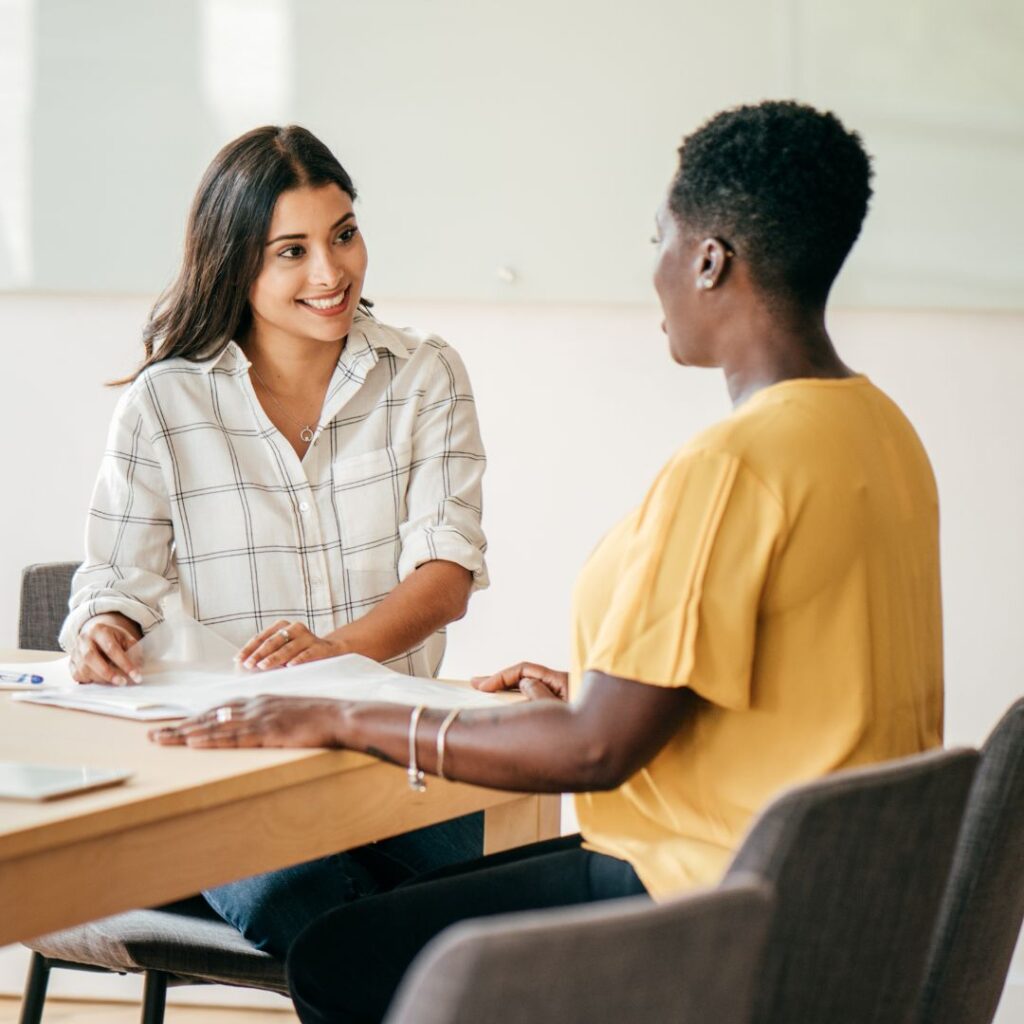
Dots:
{"x": 325, "y": 268}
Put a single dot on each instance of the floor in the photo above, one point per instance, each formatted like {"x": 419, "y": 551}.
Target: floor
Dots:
{"x": 59, "y": 1011}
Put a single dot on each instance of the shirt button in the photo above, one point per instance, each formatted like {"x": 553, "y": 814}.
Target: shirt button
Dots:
{"x": 303, "y": 506}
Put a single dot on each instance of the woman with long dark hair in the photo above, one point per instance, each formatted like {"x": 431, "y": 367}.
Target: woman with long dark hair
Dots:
{"x": 770, "y": 611}
{"x": 305, "y": 479}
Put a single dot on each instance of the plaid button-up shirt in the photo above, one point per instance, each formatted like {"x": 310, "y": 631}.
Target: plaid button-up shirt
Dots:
{"x": 198, "y": 492}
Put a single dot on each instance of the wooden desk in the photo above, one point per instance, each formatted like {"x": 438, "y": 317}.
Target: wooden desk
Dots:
{"x": 191, "y": 819}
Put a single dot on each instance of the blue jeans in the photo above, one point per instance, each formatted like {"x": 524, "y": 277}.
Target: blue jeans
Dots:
{"x": 270, "y": 910}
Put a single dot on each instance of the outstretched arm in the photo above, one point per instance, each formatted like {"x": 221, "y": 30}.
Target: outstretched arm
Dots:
{"x": 542, "y": 746}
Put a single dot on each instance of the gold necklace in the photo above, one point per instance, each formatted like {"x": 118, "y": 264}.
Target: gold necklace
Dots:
{"x": 307, "y": 433}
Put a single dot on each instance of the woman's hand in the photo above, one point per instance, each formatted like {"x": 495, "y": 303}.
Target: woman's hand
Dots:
{"x": 259, "y": 722}
{"x": 285, "y": 644}
{"x": 535, "y": 682}
{"x": 100, "y": 654}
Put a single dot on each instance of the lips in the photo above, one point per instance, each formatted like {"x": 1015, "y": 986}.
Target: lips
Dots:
{"x": 327, "y": 305}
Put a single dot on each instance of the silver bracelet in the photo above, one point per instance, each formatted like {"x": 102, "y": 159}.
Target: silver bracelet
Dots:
{"x": 441, "y": 734}
{"x": 415, "y": 773}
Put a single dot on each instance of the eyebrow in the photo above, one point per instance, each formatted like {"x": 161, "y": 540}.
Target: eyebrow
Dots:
{"x": 286, "y": 238}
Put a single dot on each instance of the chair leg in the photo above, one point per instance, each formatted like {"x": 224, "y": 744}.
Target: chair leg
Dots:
{"x": 35, "y": 990}
{"x": 154, "y": 997}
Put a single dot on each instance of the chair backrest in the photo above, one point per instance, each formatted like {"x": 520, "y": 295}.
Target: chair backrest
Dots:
{"x": 45, "y": 589}
{"x": 859, "y": 861}
{"x": 688, "y": 961}
{"x": 983, "y": 905}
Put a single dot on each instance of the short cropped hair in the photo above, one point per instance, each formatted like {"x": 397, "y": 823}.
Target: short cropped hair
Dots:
{"x": 786, "y": 185}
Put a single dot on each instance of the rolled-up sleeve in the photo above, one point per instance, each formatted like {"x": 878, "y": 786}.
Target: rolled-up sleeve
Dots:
{"x": 128, "y": 566}
{"x": 444, "y": 494}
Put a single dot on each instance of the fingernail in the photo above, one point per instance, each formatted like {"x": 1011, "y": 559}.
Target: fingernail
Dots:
{"x": 249, "y": 663}
{"x": 137, "y": 676}
{"x": 262, "y": 665}
{"x": 120, "y": 681}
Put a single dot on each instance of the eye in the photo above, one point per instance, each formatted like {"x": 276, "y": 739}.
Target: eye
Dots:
{"x": 292, "y": 252}
{"x": 348, "y": 234}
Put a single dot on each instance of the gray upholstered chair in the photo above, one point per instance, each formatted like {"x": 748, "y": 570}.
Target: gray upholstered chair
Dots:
{"x": 859, "y": 862}
{"x": 181, "y": 944}
{"x": 44, "y": 603}
{"x": 983, "y": 905}
{"x": 687, "y": 961}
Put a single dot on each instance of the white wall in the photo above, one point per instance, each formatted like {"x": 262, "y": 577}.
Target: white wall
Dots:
{"x": 482, "y": 136}
{"x": 579, "y": 407}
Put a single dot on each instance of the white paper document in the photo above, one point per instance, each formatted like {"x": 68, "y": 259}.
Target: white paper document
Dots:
{"x": 179, "y": 691}
{"x": 186, "y": 669}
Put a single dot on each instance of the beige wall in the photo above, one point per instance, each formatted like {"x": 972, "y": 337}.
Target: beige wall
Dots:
{"x": 579, "y": 407}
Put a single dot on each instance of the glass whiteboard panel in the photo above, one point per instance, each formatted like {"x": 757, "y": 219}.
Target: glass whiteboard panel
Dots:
{"x": 509, "y": 152}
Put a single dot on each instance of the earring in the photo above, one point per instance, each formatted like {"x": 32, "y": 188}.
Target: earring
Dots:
{"x": 706, "y": 282}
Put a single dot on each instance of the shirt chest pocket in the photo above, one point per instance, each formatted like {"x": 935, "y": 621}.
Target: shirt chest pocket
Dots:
{"x": 369, "y": 493}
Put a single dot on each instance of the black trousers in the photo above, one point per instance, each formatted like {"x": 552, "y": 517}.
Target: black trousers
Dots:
{"x": 345, "y": 967}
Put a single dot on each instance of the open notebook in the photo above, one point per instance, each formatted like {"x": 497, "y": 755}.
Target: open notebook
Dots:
{"x": 186, "y": 669}
{"x": 179, "y": 691}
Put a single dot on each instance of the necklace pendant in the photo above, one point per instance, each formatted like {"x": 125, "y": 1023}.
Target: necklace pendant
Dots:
{"x": 306, "y": 434}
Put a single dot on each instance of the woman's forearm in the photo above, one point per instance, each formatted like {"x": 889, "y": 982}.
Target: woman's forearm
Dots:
{"x": 435, "y": 594}
{"x": 543, "y": 746}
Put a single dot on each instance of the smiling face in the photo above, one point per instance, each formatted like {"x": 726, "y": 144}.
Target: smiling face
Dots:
{"x": 314, "y": 262}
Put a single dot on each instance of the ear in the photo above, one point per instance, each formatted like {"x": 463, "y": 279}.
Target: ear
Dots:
{"x": 711, "y": 263}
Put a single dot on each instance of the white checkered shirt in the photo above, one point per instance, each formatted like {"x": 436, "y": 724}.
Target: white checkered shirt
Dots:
{"x": 199, "y": 492}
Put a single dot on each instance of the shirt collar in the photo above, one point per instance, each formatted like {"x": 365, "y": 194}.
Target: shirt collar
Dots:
{"x": 367, "y": 334}
{"x": 231, "y": 357}
{"x": 377, "y": 335}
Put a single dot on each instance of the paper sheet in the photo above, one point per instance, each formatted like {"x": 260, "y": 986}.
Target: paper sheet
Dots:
{"x": 185, "y": 671}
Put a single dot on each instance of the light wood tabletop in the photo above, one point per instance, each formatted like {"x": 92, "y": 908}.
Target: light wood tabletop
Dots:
{"x": 190, "y": 819}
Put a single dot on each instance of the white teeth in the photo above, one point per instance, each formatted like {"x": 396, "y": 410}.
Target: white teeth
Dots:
{"x": 326, "y": 303}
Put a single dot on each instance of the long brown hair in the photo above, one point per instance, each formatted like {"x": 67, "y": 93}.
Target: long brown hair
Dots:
{"x": 208, "y": 303}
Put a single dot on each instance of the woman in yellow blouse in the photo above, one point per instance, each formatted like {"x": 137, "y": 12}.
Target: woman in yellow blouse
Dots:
{"x": 769, "y": 613}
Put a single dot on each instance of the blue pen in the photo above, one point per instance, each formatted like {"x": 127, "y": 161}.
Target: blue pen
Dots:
{"x": 10, "y": 677}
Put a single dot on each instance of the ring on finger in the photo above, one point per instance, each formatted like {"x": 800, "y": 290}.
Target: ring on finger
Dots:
{"x": 225, "y": 714}
{"x": 284, "y": 634}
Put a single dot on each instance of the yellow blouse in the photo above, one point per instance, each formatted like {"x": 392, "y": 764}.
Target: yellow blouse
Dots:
{"x": 785, "y": 567}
